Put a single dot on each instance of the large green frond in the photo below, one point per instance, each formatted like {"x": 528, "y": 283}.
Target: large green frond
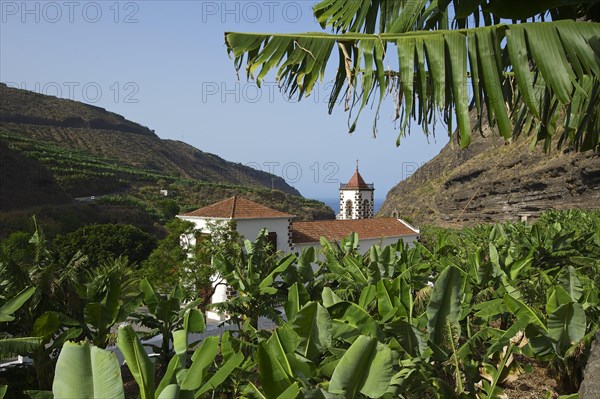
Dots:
{"x": 531, "y": 75}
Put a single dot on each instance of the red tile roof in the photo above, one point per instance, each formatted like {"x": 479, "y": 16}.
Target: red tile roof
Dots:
{"x": 357, "y": 183}
{"x": 237, "y": 208}
{"x": 335, "y": 230}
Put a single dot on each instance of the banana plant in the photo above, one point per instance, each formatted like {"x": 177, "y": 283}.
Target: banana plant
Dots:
{"x": 46, "y": 314}
{"x": 85, "y": 371}
{"x": 179, "y": 380}
{"x": 333, "y": 347}
{"x": 564, "y": 326}
{"x": 343, "y": 266}
{"x": 164, "y": 315}
{"x": 307, "y": 273}
{"x": 429, "y": 52}
{"x": 10, "y": 346}
{"x": 109, "y": 298}
{"x": 561, "y": 333}
{"x": 258, "y": 277}
{"x": 366, "y": 367}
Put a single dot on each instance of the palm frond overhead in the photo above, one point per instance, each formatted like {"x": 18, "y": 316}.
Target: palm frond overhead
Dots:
{"x": 534, "y": 76}
{"x": 397, "y": 16}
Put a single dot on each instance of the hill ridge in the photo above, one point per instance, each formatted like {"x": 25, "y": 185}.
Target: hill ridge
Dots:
{"x": 75, "y": 125}
{"x": 73, "y": 164}
{"x": 491, "y": 181}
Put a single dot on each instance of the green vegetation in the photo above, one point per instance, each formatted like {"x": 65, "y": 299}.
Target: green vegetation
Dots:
{"x": 73, "y": 299}
{"x": 255, "y": 274}
{"x": 73, "y": 168}
{"x": 80, "y": 173}
{"x": 443, "y": 58}
{"x": 165, "y": 265}
{"x": 164, "y": 314}
{"x": 134, "y": 192}
{"x": 170, "y": 265}
{"x": 460, "y": 314}
{"x": 63, "y": 219}
{"x": 101, "y": 242}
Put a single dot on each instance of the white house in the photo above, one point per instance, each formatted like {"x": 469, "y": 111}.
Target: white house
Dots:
{"x": 356, "y": 205}
{"x": 250, "y": 218}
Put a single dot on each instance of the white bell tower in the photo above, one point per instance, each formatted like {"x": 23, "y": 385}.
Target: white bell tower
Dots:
{"x": 356, "y": 198}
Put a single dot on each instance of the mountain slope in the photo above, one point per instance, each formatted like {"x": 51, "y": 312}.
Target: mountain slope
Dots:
{"x": 26, "y": 182}
{"x": 492, "y": 181}
{"x": 73, "y": 164}
{"x": 77, "y": 126}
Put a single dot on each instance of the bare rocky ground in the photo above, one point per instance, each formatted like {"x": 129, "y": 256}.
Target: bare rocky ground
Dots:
{"x": 590, "y": 387}
{"x": 492, "y": 181}
{"x": 534, "y": 385}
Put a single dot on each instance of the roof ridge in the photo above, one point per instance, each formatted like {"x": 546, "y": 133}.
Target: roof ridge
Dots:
{"x": 334, "y": 230}
{"x": 237, "y": 208}
{"x": 357, "y": 182}
{"x": 233, "y": 206}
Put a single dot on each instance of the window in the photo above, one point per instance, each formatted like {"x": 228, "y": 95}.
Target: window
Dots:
{"x": 230, "y": 292}
{"x": 272, "y": 239}
{"x": 201, "y": 237}
{"x": 366, "y": 208}
{"x": 349, "y": 209}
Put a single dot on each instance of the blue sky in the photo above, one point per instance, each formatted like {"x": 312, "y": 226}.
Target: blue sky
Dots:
{"x": 164, "y": 64}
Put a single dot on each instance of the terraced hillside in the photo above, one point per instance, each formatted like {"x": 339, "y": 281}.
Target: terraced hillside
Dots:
{"x": 76, "y": 126}
{"x": 72, "y": 164}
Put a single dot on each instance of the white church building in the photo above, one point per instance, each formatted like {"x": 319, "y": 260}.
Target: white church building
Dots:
{"x": 288, "y": 236}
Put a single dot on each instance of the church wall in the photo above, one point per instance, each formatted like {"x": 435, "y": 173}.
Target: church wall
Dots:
{"x": 249, "y": 229}
{"x": 201, "y": 225}
{"x": 219, "y": 296}
{"x": 363, "y": 246}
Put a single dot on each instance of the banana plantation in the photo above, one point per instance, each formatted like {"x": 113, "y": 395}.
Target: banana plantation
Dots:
{"x": 460, "y": 314}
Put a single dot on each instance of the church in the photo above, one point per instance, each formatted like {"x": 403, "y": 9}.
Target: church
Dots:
{"x": 356, "y": 215}
{"x": 356, "y": 198}
{"x": 288, "y": 236}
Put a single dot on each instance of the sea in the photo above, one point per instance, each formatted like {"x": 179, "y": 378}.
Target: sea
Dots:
{"x": 334, "y": 203}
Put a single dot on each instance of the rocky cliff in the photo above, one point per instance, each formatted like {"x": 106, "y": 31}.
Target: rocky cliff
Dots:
{"x": 494, "y": 181}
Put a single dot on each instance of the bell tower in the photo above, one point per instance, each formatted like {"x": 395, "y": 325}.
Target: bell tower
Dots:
{"x": 356, "y": 198}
